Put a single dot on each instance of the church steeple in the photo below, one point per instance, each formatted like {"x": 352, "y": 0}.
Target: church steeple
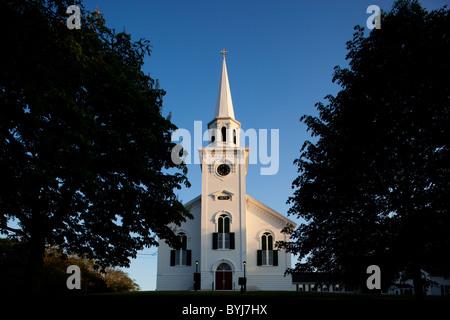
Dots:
{"x": 225, "y": 128}
{"x": 224, "y": 104}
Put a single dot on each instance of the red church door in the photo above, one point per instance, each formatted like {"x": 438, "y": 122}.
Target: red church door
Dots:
{"x": 224, "y": 277}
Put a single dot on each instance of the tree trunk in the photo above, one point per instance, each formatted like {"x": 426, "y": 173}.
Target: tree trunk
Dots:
{"x": 418, "y": 282}
{"x": 36, "y": 254}
{"x": 36, "y": 265}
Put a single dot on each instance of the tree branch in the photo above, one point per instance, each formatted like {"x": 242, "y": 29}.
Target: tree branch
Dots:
{"x": 17, "y": 231}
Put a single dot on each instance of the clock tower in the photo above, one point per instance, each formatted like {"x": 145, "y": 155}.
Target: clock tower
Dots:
{"x": 223, "y": 203}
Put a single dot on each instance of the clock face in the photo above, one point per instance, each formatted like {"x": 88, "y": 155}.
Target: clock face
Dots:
{"x": 223, "y": 169}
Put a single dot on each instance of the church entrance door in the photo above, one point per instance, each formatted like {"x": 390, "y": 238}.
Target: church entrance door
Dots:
{"x": 224, "y": 277}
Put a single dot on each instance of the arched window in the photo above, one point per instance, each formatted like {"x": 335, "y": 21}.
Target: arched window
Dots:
{"x": 182, "y": 256}
{"x": 267, "y": 249}
{"x": 223, "y": 229}
{"x": 224, "y": 267}
{"x": 267, "y": 241}
{"x": 223, "y": 224}
{"x": 267, "y": 256}
{"x": 223, "y": 238}
{"x": 224, "y": 134}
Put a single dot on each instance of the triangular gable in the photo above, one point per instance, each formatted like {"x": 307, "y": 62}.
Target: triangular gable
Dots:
{"x": 278, "y": 216}
{"x": 191, "y": 203}
{"x": 283, "y": 220}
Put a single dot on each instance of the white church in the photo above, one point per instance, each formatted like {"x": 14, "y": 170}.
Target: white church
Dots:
{"x": 232, "y": 233}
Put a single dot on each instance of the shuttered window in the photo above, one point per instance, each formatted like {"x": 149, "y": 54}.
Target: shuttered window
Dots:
{"x": 182, "y": 256}
{"x": 267, "y": 256}
{"x": 223, "y": 241}
{"x": 223, "y": 238}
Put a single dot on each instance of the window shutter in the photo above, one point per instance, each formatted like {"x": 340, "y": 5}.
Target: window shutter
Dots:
{"x": 172, "y": 257}
{"x": 232, "y": 240}
{"x": 215, "y": 240}
{"x": 275, "y": 258}
{"x": 188, "y": 257}
{"x": 259, "y": 257}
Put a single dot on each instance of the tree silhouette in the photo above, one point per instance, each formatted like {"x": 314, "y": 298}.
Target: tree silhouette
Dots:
{"x": 84, "y": 150}
{"x": 375, "y": 184}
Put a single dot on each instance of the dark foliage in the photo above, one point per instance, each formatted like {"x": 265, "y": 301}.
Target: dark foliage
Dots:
{"x": 84, "y": 150}
{"x": 375, "y": 184}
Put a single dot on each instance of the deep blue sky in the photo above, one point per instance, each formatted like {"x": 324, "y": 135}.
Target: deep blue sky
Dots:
{"x": 280, "y": 60}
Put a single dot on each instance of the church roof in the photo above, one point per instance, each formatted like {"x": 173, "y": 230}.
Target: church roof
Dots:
{"x": 254, "y": 202}
{"x": 224, "y": 104}
{"x": 271, "y": 211}
{"x": 191, "y": 203}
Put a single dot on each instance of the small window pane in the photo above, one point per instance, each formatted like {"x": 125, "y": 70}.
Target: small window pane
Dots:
{"x": 184, "y": 242}
{"x": 227, "y": 240}
{"x": 224, "y": 267}
{"x": 270, "y": 253}
{"x": 227, "y": 224}
{"x": 220, "y": 242}
{"x": 270, "y": 241}
{"x": 220, "y": 227}
{"x": 264, "y": 258}
{"x": 263, "y": 243}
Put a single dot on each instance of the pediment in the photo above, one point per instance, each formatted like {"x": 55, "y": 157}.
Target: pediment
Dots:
{"x": 261, "y": 208}
{"x": 222, "y": 195}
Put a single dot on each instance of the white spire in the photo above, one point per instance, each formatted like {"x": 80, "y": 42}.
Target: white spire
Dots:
{"x": 224, "y": 104}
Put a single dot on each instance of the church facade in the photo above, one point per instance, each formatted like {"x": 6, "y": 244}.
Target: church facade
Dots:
{"x": 232, "y": 233}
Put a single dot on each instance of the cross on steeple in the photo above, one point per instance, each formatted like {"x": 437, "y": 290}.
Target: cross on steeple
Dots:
{"x": 224, "y": 52}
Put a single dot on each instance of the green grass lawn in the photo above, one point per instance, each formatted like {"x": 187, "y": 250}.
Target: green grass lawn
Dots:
{"x": 288, "y": 295}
